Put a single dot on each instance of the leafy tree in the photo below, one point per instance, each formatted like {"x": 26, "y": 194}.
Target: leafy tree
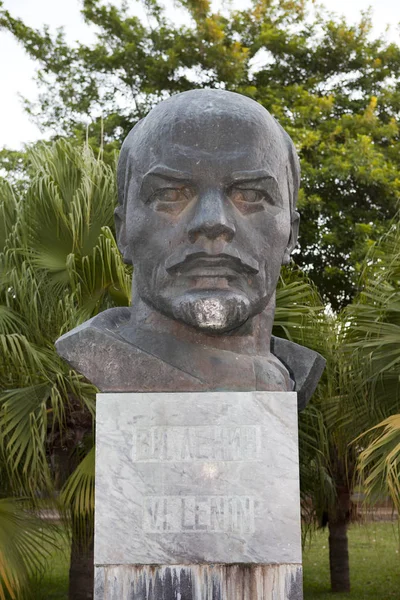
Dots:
{"x": 335, "y": 90}
{"x": 13, "y": 166}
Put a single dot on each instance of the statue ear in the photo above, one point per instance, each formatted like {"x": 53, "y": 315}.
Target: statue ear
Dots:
{"x": 120, "y": 229}
{"x": 294, "y": 232}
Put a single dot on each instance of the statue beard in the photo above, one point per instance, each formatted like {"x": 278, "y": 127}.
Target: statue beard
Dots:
{"x": 205, "y": 310}
{"x": 210, "y": 312}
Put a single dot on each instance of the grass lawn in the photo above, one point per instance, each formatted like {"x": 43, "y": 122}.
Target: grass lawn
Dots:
{"x": 374, "y": 564}
{"x": 374, "y": 567}
{"x": 53, "y": 583}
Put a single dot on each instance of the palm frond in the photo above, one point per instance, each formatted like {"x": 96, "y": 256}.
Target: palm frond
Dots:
{"x": 10, "y": 321}
{"x": 8, "y": 212}
{"x": 23, "y": 429}
{"x": 379, "y": 462}
{"x": 19, "y": 355}
{"x": 373, "y": 332}
{"x": 77, "y": 499}
{"x": 70, "y": 199}
{"x": 77, "y": 494}
{"x": 103, "y": 279}
{"x": 25, "y": 544}
{"x": 298, "y": 308}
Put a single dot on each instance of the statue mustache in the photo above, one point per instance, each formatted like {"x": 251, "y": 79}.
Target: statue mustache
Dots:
{"x": 237, "y": 261}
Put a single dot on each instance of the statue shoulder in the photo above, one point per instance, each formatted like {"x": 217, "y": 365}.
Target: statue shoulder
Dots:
{"x": 93, "y": 343}
{"x": 104, "y": 325}
{"x": 98, "y": 351}
{"x": 304, "y": 365}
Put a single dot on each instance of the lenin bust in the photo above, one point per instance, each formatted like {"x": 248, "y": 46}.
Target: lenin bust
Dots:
{"x": 207, "y": 190}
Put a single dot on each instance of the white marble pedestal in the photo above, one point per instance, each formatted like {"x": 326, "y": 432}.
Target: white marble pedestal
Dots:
{"x": 197, "y": 497}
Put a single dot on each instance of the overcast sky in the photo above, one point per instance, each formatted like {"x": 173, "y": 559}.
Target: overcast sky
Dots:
{"x": 17, "y": 70}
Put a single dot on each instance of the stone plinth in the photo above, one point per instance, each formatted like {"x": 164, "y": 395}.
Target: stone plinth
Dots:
{"x": 197, "y": 495}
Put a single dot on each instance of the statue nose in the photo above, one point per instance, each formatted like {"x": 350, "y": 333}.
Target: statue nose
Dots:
{"x": 210, "y": 218}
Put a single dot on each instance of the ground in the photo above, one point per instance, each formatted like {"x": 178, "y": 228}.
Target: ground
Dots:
{"x": 374, "y": 563}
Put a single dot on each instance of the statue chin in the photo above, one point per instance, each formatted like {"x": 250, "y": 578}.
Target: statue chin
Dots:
{"x": 210, "y": 312}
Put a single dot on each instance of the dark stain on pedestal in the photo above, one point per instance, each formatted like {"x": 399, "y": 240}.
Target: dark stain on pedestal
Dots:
{"x": 174, "y": 585}
{"x": 295, "y": 591}
{"x": 202, "y": 582}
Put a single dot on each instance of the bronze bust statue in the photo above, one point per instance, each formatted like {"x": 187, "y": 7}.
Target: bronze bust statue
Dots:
{"x": 207, "y": 190}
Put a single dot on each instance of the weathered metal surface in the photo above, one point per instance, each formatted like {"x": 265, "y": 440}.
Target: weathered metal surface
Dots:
{"x": 208, "y": 184}
{"x": 199, "y": 582}
{"x": 159, "y": 362}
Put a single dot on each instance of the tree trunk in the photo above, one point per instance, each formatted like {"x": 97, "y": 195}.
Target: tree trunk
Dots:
{"x": 81, "y": 567}
{"x": 338, "y": 543}
{"x": 64, "y": 460}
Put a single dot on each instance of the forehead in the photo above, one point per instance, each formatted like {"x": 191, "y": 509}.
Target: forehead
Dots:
{"x": 209, "y": 141}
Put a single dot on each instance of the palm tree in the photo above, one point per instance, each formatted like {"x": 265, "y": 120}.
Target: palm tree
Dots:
{"x": 59, "y": 266}
{"x": 374, "y": 341}
{"x": 358, "y": 397}
{"x": 327, "y": 461}
{"x": 24, "y": 540}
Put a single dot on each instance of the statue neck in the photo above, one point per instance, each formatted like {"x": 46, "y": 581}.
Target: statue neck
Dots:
{"x": 253, "y": 337}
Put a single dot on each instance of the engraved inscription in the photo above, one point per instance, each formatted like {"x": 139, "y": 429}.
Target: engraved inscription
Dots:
{"x": 177, "y": 444}
{"x": 180, "y": 514}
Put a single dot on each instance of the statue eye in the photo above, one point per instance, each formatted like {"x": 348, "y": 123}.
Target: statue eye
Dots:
{"x": 182, "y": 194}
{"x": 249, "y": 196}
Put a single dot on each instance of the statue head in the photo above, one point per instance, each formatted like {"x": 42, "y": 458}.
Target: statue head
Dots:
{"x": 207, "y": 190}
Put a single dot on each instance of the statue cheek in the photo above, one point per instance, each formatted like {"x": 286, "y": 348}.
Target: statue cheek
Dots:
{"x": 279, "y": 233}
{"x": 137, "y": 230}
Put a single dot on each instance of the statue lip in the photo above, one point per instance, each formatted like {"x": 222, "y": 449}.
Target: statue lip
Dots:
{"x": 205, "y": 264}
